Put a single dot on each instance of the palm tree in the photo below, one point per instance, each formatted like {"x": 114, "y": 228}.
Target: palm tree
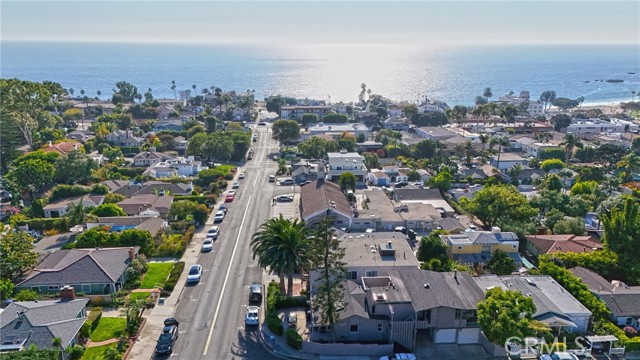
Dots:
{"x": 501, "y": 141}
{"x": 633, "y": 94}
{"x": 611, "y": 183}
{"x": 283, "y": 246}
{"x": 580, "y": 101}
{"x": 99, "y": 93}
{"x": 631, "y": 165}
{"x": 570, "y": 142}
{"x": 487, "y": 93}
{"x": 484, "y": 139}
{"x": 468, "y": 151}
{"x": 173, "y": 87}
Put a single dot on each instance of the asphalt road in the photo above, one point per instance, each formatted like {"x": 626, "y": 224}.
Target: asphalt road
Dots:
{"x": 211, "y": 314}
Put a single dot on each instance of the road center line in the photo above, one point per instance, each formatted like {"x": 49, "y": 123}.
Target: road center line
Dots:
{"x": 226, "y": 278}
{"x": 257, "y": 177}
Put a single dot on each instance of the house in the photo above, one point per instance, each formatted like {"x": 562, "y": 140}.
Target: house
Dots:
{"x": 434, "y": 133}
{"x": 62, "y": 148}
{"x": 342, "y": 162}
{"x": 507, "y": 161}
{"x": 81, "y": 136}
{"x": 120, "y": 223}
{"x": 322, "y": 198}
{"x": 128, "y": 188}
{"x": 598, "y": 126}
{"x": 379, "y": 214}
{"x": 334, "y": 130}
{"x": 147, "y": 205}
{"x": 97, "y": 157}
{"x": 568, "y": 243}
{"x": 476, "y": 247}
{"x": 151, "y": 157}
{"x": 179, "y": 166}
{"x": 395, "y": 174}
{"x": 37, "y": 323}
{"x": 61, "y": 207}
{"x": 397, "y": 123}
{"x": 530, "y": 176}
{"x": 555, "y": 306}
{"x": 172, "y": 102}
{"x": 622, "y": 300}
{"x": 169, "y": 125}
{"x": 452, "y": 225}
{"x": 296, "y": 112}
{"x": 181, "y": 144}
{"x": 304, "y": 171}
{"x": 396, "y": 307}
{"x": 378, "y": 178}
{"x": 469, "y": 193}
{"x": 90, "y": 271}
{"x": 533, "y": 148}
{"x": 535, "y": 108}
{"x": 433, "y": 197}
{"x": 369, "y": 146}
{"x": 124, "y": 138}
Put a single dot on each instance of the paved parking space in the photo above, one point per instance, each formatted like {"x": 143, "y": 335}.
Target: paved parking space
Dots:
{"x": 289, "y": 210}
{"x": 426, "y": 349}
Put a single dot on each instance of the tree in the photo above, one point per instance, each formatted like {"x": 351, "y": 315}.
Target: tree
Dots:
{"x": 347, "y": 181}
{"x": 113, "y": 153}
{"x": 26, "y": 295}
{"x": 553, "y": 183}
{"x": 126, "y": 93}
{"x": 487, "y": 93}
{"x": 77, "y": 214}
{"x": 547, "y": 97}
{"x": 631, "y": 165}
{"x": 327, "y": 257}
{"x": 442, "y": 181}
{"x": 413, "y": 175}
{"x": 283, "y": 247}
{"x": 285, "y": 131}
{"x": 10, "y": 140}
{"x": 500, "y": 205}
{"x": 570, "y": 142}
{"x": 552, "y": 164}
{"x": 309, "y": 119}
{"x": 31, "y": 175}
{"x": 410, "y": 110}
{"x": 501, "y": 141}
{"x": 564, "y": 103}
{"x": 480, "y": 100}
{"x": 573, "y": 226}
{"x": 316, "y": 147}
{"x": 431, "y": 118}
{"x": 387, "y": 135}
{"x": 425, "y": 149}
{"x": 504, "y": 314}
{"x": 6, "y": 289}
{"x": 622, "y": 230}
{"x": 74, "y": 168}
{"x": 335, "y": 118}
{"x": 274, "y": 103}
{"x": 500, "y": 263}
{"x": 552, "y": 217}
{"x": 371, "y": 161}
{"x": 509, "y": 112}
{"x": 107, "y": 210}
{"x": 432, "y": 247}
{"x": 182, "y": 210}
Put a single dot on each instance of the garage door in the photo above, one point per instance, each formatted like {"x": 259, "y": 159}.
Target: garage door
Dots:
{"x": 469, "y": 336}
{"x": 445, "y": 336}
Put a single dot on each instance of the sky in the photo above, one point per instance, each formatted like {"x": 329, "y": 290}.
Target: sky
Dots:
{"x": 318, "y": 22}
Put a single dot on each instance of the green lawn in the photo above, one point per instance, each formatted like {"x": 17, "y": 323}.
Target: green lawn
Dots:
{"x": 108, "y": 328}
{"x": 139, "y": 295}
{"x": 157, "y": 274}
{"x": 95, "y": 353}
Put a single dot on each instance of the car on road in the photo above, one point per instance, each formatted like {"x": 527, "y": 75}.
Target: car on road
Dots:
{"x": 262, "y": 123}
{"x": 213, "y": 233}
{"x": 195, "y": 273}
{"x": 252, "y": 317}
{"x": 255, "y": 292}
{"x": 284, "y": 198}
{"x": 168, "y": 337}
{"x": 240, "y": 176}
{"x": 235, "y": 185}
{"x": 250, "y": 156}
{"x": 219, "y": 216}
{"x": 272, "y": 178}
{"x": 231, "y": 192}
{"x": 287, "y": 182}
{"x": 224, "y": 208}
{"x": 207, "y": 245}
{"x": 399, "y": 356}
{"x": 229, "y": 198}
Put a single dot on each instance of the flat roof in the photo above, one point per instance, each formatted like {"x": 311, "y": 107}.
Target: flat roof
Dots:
{"x": 363, "y": 249}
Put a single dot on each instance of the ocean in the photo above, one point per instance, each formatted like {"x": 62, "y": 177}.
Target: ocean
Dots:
{"x": 333, "y": 72}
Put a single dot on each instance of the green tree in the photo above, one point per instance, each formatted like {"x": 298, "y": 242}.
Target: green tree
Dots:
{"x": 573, "y": 226}
{"x": 335, "y": 118}
{"x": 26, "y": 295}
{"x": 361, "y": 138}
{"x": 552, "y": 153}
{"x": 182, "y": 210}
{"x": 560, "y": 121}
{"x": 551, "y": 164}
{"x": 106, "y": 210}
{"x": 552, "y": 217}
{"x": 285, "y": 131}
{"x": 509, "y": 112}
{"x": 16, "y": 249}
{"x": 442, "y": 181}
{"x": 6, "y": 289}
{"x": 317, "y": 148}
{"x": 347, "y": 181}
{"x": 10, "y": 140}
{"x": 113, "y": 153}
{"x": 309, "y": 119}
{"x": 126, "y": 93}
{"x": 112, "y": 198}
{"x": 413, "y": 175}
{"x": 283, "y": 247}
{"x": 410, "y": 110}
{"x": 74, "y": 168}
{"x": 564, "y": 103}
{"x": 77, "y": 214}
{"x": 500, "y": 205}
{"x": 631, "y": 165}
{"x": 552, "y": 182}
{"x": 327, "y": 257}
{"x": 501, "y": 263}
{"x": 431, "y": 118}
{"x": 425, "y": 149}
{"x": 504, "y": 314}
{"x": 432, "y": 247}
{"x": 371, "y": 160}
{"x": 570, "y": 142}
{"x": 31, "y": 175}
{"x": 622, "y": 231}
{"x": 487, "y": 93}
{"x": 547, "y": 97}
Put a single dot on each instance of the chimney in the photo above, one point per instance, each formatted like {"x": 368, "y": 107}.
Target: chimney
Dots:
{"x": 67, "y": 293}
{"x": 132, "y": 254}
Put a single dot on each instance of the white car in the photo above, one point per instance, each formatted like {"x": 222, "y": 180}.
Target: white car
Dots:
{"x": 231, "y": 192}
{"x": 370, "y": 230}
{"x": 195, "y": 273}
{"x": 207, "y": 245}
{"x": 252, "y": 316}
{"x": 219, "y": 216}
{"x": 213, "y": 233}
{"x": 399, "y": 356}
{"x": 236, "y": 185}
{"x": 240, "y": 176}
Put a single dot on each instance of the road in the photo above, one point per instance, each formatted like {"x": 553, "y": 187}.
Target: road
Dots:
{"x": 211, "y": 314}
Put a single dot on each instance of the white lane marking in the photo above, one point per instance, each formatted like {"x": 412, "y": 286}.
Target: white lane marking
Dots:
{"x": 256, "y": 180}
{"x": 226, "y": 278}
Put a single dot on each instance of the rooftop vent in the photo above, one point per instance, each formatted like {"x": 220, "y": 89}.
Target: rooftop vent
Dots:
{"x": 380, "y": 297}
{"x": 387, "y": 250}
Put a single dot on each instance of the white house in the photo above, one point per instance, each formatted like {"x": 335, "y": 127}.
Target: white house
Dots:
{"x": 342, "y": 162}
{"x": 62, "y": 207}
{"x": 180, "y": 166}
{"x": 334, "y": 129}
{"x": 598, "y": 126}
{"x": 296, "y": 112}
{"x": 507, "y": 161}
{"x": 533, "y": 148}
{"x": 536, "y": 108}
{"x": 434, "y": 133}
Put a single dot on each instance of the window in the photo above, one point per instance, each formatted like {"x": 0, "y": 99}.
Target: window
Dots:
{"x": 353, "y": 328}
{"x": 379, "y": 327}
{"x": 514, "y": 246}
{"x": 370, "y": 273}
{"x": 459, "y": 247}
{"x": 458, "y": 314}
{"x": 54, "y": 287}
{"x": 86, "y": 288}
{"x": 352, "y": 275}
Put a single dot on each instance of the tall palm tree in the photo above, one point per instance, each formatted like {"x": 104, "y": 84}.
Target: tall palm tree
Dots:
{"x": 173, "y": 88}
{"x": 468, "y": 151}
{"x": 633, "y": 94}
{"x": 570, "y": 142}
{"x": 611, "y": 183}
{"x": 501, "y": 141}
{"x": 99, "y": 93}
{"x": 631, "y": 165}
{"x": 580, "y": 101}
{"x": 487, "y": 93}
{"x": 484, "y": 139}
{"x": 283, "y": 246}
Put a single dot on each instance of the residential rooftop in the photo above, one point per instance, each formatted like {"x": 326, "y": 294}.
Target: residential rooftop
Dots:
{"x": 378, "y": 249}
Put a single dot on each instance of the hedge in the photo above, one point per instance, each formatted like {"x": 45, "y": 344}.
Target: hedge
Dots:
{"x": 65, "y": 191}
{"x": 294, "y": 339}
{"x": 199, "y": 199}
{"x": 129, "y": 171}
{"x": 43, "y": 224}
{"x": 274, "y": 323}
{"x": 174, "y": 276}
{"x": 289, "y": 302}
{"x": 94, "y": 317}
{"x": 606, "y": 327}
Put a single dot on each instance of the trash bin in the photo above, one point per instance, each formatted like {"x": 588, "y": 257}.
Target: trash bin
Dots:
{"x": 272, "y": 340}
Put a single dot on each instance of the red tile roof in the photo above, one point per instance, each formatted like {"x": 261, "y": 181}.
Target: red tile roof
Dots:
{"x": 567, "y": 243}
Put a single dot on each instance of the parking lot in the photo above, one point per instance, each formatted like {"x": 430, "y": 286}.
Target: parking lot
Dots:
{"x": 289, "y": 210}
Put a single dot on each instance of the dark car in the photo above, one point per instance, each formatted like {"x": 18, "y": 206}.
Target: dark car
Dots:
{"x": 255, "y": 292}
{"x": 262, "y": 123}
{"x": 224, "y": 208}
{"x": 168, "y": 338}
{"x": 401, "y": 184}
{"x": 284, "y": 198}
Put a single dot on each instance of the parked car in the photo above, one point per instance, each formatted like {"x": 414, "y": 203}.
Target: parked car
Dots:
{"x": 229, "y": 198}
{"x": 403, "y": 356}
{"x": 255, "y": 293}
{"x": 262, "y": 123}
{"x": 224, "y": 208}
{"x": 219, "y": 216}
{"x": 252, "y": 317}
{"x": 207, "y": 245}
{"x": 370, "y": 230}
{"x": 401, "y": 229}
{"x": 292, "y": 319}
{"x": 168, "y": 337}
{"x": 305, "y": 182}
{"x": 213, "y": 233}
{"x": 275, "y": 158}
{"x": 195, "y": 273}
{"x": 272, "y": 178}
{"x": 235, "y": 185}
{"x": 250, "y": 156}
{"x": 287, "y": 182}
{"x": 240, "y": 176}
{"x": 231, "y": 192}
{"x": 284, "y": 198}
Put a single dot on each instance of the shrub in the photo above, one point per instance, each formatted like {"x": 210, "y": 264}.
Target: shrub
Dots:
{"x": 85, "y": 330}
{"x": 100, "y": 189}
{"x": 94, "y": 317}
{"x": 42, "y": 224}
{"x": 174, "y": 276}
{"x": 194, "y": 198}
{"x": 26, "y": 295}
{"x": 65, "y": 191}
{"x": 294, "y": 339}
{"x": 51, "y": 232}
{"x": 290, "y": 302}
{"x": 274, "y": 323}
{"x": 76, "y": 352}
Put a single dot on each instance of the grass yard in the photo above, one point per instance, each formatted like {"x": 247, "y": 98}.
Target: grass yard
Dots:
{"x": 96, "y": 353}
{"x": 139, "y": 295}
{"x": 108, "y": 328}
{"x": 157, "y": 274}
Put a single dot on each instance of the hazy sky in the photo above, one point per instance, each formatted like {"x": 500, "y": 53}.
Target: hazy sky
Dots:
{"x": 424, "y": 22}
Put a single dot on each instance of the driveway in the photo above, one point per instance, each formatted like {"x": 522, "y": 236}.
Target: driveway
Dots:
{"x": 51, "y": 243}
{"x": 426, "y": 349}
